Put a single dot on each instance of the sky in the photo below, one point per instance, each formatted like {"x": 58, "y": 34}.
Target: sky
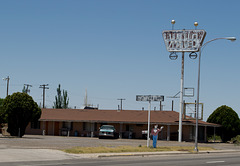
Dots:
{"x": 115, "y": 50}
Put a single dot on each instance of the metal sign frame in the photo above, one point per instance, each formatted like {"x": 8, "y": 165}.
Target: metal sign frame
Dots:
{"x": 183, "y": 40}
{"x": 193, "y": 111}
{"x": 149, "y": 98}
{"x": 188, "y": 92}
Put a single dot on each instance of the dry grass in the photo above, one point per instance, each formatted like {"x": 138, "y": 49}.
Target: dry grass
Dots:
{"x": 119, "y": 149}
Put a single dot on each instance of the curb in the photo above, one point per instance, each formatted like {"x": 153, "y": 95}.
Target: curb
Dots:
{"x": 162, "y": 153}
{"x": 140, "y": 154}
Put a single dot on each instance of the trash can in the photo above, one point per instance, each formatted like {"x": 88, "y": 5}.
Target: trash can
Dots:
{"x": 76, "y": 133}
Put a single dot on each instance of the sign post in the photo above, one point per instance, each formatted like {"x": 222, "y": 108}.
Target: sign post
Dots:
{"x": 149, "y": 98}
{"x": 183, "y": 41}
{"x": 149, "y": 112}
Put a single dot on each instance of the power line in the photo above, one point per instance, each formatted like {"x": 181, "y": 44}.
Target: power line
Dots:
{"x": 44, "y": 86}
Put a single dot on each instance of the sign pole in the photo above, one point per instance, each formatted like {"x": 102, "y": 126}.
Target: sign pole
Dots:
{"x": 149, "y": 98}
{"x": 148, "y": 134}
{"x": 181, "y": 101}
{"x": 183, "y": 41}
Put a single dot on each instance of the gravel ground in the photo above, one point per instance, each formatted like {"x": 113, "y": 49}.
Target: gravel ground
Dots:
{"x": 59, "y": 142}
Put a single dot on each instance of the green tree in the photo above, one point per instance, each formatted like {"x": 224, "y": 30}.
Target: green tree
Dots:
{"x": 229, "y": 120}
{"x": 2, "y": 112}
{"x": 65, "y": 99}
{"x": 61, "y": 101}
{"x": 20, "y": 109}
{"x": 58, "y": 98}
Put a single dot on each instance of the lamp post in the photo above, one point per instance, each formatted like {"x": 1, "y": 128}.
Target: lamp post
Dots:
{"x": 7, "y": 79}
{"x": 198, "y": 85}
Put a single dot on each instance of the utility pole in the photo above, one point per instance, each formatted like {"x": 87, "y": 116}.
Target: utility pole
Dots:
{"x": 121, "y": 102}
{"x": 44, "y": 86}
{"x": 160, "y": 105}
{"x": 27, "y": 85}
{"x": 7, "y": 79}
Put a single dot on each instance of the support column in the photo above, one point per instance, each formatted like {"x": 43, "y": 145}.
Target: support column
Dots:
{"x": 53, "y": 123}
{"x": 92, "y": 130}
{"x": 120, "y": 131}
{"x": 168, "y": 132}
{"x": 205, "y": 134}
{"x": 214, "y": 133}
{"x": 43, "y": 128}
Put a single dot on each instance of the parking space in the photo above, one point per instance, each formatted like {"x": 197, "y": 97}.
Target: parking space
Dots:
{"x": 61, "y": 142}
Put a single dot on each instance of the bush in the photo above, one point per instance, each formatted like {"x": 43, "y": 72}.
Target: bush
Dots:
{"x": 236, "y": 140}
{"x": 217, "y": 138}
{"x": 229, "y": 120}
{"x": 19, "y": 110}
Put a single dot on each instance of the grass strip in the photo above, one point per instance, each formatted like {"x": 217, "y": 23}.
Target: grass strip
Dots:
{"x": 119, "y": 149}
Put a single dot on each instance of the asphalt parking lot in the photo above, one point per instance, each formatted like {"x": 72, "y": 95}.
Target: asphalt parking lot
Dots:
{"x": 36, "y": 148}
{"x": 60, "y": 142}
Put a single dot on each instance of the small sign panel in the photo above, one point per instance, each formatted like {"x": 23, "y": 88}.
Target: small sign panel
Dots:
{"x": 190, "y": 111}
{"x": 149, "y": 98}
{"x": 183, "y": 40}
{"x": 188, "y": 92}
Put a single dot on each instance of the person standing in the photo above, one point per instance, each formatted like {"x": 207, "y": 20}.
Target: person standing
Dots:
{"x": 154, "y": 133}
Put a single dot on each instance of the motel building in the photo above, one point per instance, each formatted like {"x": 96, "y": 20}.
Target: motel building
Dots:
{"x": 129, "y": 124}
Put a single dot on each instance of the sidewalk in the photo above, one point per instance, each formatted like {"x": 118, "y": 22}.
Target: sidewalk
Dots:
{"x": 19, "y": 155}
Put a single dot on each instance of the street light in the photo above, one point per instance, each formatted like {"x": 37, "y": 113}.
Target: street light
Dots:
{"x": 198, "y": 85}
{"x": 7, "y": 79}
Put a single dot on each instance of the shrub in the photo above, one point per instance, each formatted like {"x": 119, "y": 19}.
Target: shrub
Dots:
{"x": 229, "y": 120}
{"x": 236, "y": 140}
{"x": 216, "y": 139}
{"x": 20, "y": 109}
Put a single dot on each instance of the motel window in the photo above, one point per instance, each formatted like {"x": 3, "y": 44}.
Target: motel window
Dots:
{"x": 89, "y": 126}
{"x": 127, "y": 127}
{"x": 95, "y": 126}
{"x": 68, "y": 125}
{"x": 84, "y": 126}
{"x": 35, "y": 125}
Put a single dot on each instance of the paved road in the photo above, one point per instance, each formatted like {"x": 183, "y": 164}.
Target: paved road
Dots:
{"x": 224, "y": 159}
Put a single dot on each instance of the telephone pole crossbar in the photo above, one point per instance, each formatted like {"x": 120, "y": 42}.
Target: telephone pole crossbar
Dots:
{"x": 121, "y": 102}
{"x": 44, "y": 87}
{"x": 27, "y": 85}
